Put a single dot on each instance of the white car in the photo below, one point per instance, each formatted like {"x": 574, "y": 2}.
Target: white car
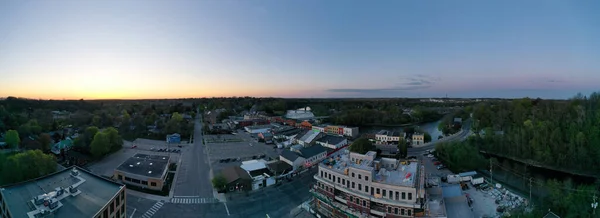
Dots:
{"x": 430, "y": 156}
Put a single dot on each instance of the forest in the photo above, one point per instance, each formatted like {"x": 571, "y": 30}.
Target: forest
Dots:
{"x": 559, "y": 135}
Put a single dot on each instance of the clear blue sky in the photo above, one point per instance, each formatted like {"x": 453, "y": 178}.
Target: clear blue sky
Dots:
{"x": 294, "y": 48}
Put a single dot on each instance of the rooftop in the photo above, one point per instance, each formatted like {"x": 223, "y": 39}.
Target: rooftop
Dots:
{"x": 312, "y": 151}
{"x": 386, "y": 170}
{"x": 259, "y": 127}
{"x": 382, "y": 132}
{"x": 330, "y": 139}
{"x": 234, "y": 173}
{"x": 95, "y": 193}
{"x": 146, "y": 165}
{"x": 290, "y": 155}
{"x": 253, "y": 165}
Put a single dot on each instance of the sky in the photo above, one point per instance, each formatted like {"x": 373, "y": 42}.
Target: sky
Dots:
{"x": 299, "y": 48}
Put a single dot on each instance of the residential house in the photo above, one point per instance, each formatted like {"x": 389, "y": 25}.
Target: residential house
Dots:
{"x": 418, "y": 139}
{"x": 279, "y": 167}
{"x": 261, "y": 175}
{"x": 292, "y": 158}
{"x": 237, "y": 179}
{"x": 63, "y": 144}
{"x": 351, "y": 132}
{"x": 332, "y": 141}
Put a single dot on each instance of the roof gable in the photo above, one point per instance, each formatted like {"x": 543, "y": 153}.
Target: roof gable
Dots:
{"x": 312, "y": 151}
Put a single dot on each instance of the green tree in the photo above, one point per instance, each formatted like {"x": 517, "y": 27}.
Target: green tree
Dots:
{"x": 362, "y": 146}
{"x": 219, "y": 182}
{"x": 96, "y": 120}
{"x": 89, "y": 134}
{"x": 45, "y": 140}
{"x": 177, "y": 117}
{"x": 402, "y": 149}
{"x": 427, "y": 137}
{"x": 115, "y": 140}
{"x": 25, "y": 166}
{"x": 100, "y": 145}
{"x": 12, "y": 139}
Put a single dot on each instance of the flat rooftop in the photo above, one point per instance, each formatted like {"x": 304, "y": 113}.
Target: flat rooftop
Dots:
{"x": 95, "y": 193}
{"x": 391, "y": 171}
{"x": 145, "y": 165}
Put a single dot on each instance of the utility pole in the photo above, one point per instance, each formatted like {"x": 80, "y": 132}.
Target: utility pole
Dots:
{"x": 530, "y": 200}
{"x": 491, "y": 174}
{"x": 594, "y": 205}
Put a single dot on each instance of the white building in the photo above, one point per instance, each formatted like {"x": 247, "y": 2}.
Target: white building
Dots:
{"x": 351, "y": 131}
{"x": 301, "y": 113}
{"x": 292, "y": 158}
{"x": 387, "y": 137}
{"x": 331, "y": 141}
{"x": 261, "y": 175}
{"x": 257, "y": 129}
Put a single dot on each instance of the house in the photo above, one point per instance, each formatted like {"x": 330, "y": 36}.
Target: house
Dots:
{"x": 418, "y": 139}
{"x": 351, "y": 132}
{"x": 457, "y": 123}
{"x": 332, "y": 141}
{"x": 306, "y": 125}
{"x": 313, "y": 154}
{"x": 261, "y": 176}
{"x": 267, "y": 137}
{"x": 64, "y": 144}
{"x": 292, "y": 158}
{"x": 237, "y": 179}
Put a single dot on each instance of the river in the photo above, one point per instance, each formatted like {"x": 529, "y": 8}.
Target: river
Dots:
{"x": 431, "y": 128}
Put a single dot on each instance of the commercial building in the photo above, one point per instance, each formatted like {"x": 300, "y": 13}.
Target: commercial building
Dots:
{"x": 300, "y": 114}
{"x": 146, "y": 171}
{"x": 351, "y": 132}
{"x": 308, "y": 138}
{"x": 418, "y": 139}
{"x": 260, "y": 174}
{"x": 388, "y": 137}
{"x": 237, "y": 179}
{"x": 72, "y": 192}
{"x": 364, "y": 185}
{"x": 257, "y": 129}
{"x": 332, "y": 141}
{"x": 174, "y": 138}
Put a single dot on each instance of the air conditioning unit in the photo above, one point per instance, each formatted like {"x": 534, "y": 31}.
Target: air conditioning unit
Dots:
{"x": 72, "y": 189}
{"x": 39, "y": 200}
{"x": 74, "y": 172}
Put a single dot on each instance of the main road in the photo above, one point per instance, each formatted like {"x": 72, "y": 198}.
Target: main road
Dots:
{"x": 193, "y": 176}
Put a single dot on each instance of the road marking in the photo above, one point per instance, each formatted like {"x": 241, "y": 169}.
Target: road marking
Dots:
{"x": 196, "y": 200}
{"x": 132, "y": 213}
{"x": 152, "y": 210}
{"x": 226, "y": 209}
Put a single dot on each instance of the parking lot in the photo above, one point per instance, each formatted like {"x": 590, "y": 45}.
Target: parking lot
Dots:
{"x": 107, "y": 165}
{"x": 230, "y": 150}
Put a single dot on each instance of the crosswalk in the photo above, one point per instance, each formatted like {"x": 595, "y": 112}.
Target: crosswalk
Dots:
{"x": 193, "y": 200}
{"x": 153, "y": 210}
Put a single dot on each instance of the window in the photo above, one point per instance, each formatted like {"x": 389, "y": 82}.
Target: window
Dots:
{"x": 364, "y": 203}
{"x": 359, "y": 176}
{"x": 403, "y": 195}
{"x": 153, "y": 184}
{"x": 352, "y": 175}
{"x": 372, "y": 190}
{"x": 343, "y": 181}
{"x": 402, "y": 212}
{"x": 348, "y": 184}
{"x": 329, "y": 176}
{"x": 118, "y": 213}
{"x": 338, "y": 179}
{"x": 352, "y": 184}
{"x": 409, "y": 196}
{"x": 112, "y": 207}
{"x": 409, "y": 212}
{"x": 383, "y": 190}
{"x": 389, "y": 209}
{"x": 118, "y": 201}
{"x": 367, "y": 189}
{"x": 366, "y": 178}
{"x": 122, "y": 208}
{"x": 378, "y": 191}
{"x": 144, "y": 182}
{"x": 120, "y": 177}
{"x": 391, "y": 194}
{"x": 351, "y": 199}
{"x": 122, "y": 196}
{"x": 396, "y": 211}
{"x": 321, "y": 174}
{"x": 333, "y": 179}
{"x": 397, "y": 195}
{"x": 105, "y": 213}
{"x": 359, "y": 187}
{"x": 357, "y": 201}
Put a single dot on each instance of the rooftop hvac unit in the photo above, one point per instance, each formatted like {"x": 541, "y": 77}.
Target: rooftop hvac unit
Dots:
{"x": 72, "y": 189}
{"x": 43, "y": 211}
{"x": 74, "y": 172}
{"x": 53, "y": 203}
{"x": 39, "y": 200}
{"x": 59, "y": 191}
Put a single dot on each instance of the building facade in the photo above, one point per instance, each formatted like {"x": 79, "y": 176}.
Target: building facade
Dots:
{"x": 418, "y": 139}
{"x": 351, "y": 132}
{"x": 363, "y": 185}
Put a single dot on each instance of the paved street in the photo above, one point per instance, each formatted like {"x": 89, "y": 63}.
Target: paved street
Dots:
{"x": 466, "y": 132}
{"x": 274, "y": 201}
{"x": 193, "y": 178}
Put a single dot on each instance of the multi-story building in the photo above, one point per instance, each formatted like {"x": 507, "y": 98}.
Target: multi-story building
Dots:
{"x": 72, "y": 192}
{"x": 387, "y": 137}
{"x": 362, "y": 185}
{"x": 418, "y": 139}
{"x": 142, "y": 170}
{"x": 337, "y": 130}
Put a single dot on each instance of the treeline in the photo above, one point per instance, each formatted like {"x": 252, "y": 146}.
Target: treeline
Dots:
{"x": 557, "y": 134}
{"x": 18, "y": 167}
{"x": 384, "y": 116}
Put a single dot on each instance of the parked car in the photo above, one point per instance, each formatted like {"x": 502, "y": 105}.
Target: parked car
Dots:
{"x": 437, "y": 163}
{"x": 430, "y": 156}
{"x": 441, "y": 166}
{"x": 134, "y": 146}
